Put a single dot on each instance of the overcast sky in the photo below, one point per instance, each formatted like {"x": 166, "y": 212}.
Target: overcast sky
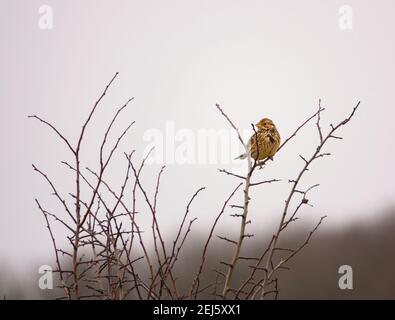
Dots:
{"x": 178, "y": 58}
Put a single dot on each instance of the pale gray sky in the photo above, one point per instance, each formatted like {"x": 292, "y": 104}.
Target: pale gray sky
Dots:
{"x": 179, "y": 58}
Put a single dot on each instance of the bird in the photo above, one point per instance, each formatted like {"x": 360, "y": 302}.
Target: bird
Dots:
{"x": 268, "y": 141}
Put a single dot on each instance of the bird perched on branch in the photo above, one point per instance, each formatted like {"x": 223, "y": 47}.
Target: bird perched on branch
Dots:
{"x": 267, "y": 144}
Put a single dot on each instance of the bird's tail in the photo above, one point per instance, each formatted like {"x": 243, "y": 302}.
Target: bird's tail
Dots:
{"x": 241, "y": 157}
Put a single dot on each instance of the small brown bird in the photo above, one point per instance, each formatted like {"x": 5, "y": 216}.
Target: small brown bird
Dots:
{"x": 268, "y": 141}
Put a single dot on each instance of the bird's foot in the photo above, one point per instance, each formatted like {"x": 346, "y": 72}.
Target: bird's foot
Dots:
{"x": 261, "y": 165}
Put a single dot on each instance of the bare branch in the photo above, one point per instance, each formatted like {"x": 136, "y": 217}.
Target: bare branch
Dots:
{"x": 61, "y": 136}
{"x": 196, "y": 281}
{"x": 232, "y": 125}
